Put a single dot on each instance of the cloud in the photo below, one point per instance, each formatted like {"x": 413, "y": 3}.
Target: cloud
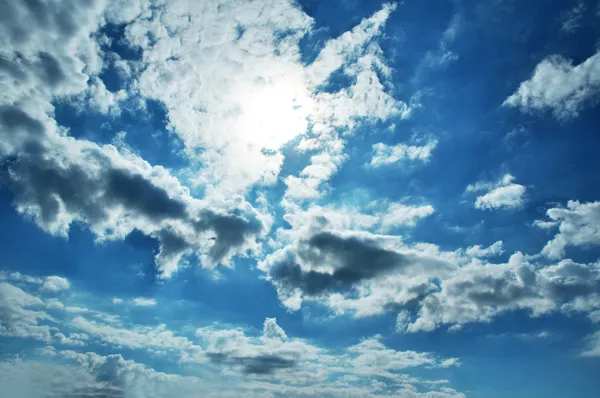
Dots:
{"x": 58, "y": 179}
{"x": 390, "y": 154}
{"x": 253, "y": 94}
{"x": 20, "y": 314}
{"x": 329, "y": 251}
{"x": 444, "y": 55}
{"x": 112, "y": 376}
{"x": 398, "y": 214}
{"x": 55, "y": 284}
{"x": 144, "y": 302}
{"x": 338, "y": 114}
{"x": 230, "y": 361}
{"x": 76, "y": 339}
{"x": 559, "y": 86}
{"x": 578, "y": 225}
{"x": 402, "y": 321}
{"x": 327, "y": 263}
{"x": 155, "y": 339}
{"x": 571, "y": 20}
{"x": 271, "y": 330}
{"x": 495, "y": 249}
{"x": 479, "y": 292}
{"x": 350, "y": 259}
{"x": 593, "y": 346}
{"x": 503, "y": 193}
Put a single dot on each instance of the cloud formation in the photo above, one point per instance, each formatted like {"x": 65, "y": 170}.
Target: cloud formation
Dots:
{"x": 578, "y": 225}
{"x": 500, "y": 194}
{"x": 559, "y": 86}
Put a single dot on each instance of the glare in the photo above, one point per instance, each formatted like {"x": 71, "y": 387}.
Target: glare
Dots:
{"x": 273, "y": 114}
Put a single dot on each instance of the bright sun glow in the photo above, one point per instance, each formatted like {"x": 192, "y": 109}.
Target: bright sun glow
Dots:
{"x": 273, "y": 114}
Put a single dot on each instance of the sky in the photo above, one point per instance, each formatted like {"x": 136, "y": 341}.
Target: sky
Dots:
{"x": 299, "y": 198}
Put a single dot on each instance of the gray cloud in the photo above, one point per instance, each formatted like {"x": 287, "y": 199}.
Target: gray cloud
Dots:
{"x": 257, "y": 365}
{"x": 353, "y": 260}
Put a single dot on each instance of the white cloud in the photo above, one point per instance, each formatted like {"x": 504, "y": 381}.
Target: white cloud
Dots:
{"x": 112, "y": 376}
{"x": 398, "y": 214}
{"x": 272, "y": 330}
{"x": 21, "y": 314}
{"x": 479, "y": 292}
{"x": 390, "y": 154}
{"x": 558, "y": 85}
{"x": 578, "y": 225}
{"x": 158, "y": 339}
{"x": 59, "y": 179}
{"x": 503, "y": 193}
{"x": 495, "y": 249}
{"x": 593, "y": 346}
{"x": 143, "y": 302}
{"x": 73, "y": 340}
{"x": 236, "y": 96}
{"x": 230, "y": 361}
{"x": 402, "y": 321}
{"x": 55, "y": 284}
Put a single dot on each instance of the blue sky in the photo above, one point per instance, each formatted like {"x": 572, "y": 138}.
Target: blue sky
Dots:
{"x": 299, "y": 198}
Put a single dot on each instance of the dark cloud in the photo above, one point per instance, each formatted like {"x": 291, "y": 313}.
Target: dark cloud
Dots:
{"x": 231, "y": 230}
{"x": 259, "y": 365}
{"x": 490, "y": 290}
{"x": 52, "y": 185}
{"x": 352, "y": 258}
{"x": 87, "y": 392}
{"x": 16, "y": 121}
{"x": 136, "y": 192}
{"x": 50, "y": 70}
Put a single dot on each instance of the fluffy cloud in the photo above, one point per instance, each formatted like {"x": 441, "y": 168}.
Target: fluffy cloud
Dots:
{"x": 230, "y": 361}
{"x": 559, "y": 86}
{"x": 328, "y": 253}
{"x": 398, "y": 214}
{"x": 21, "y": 314}
{"x": 578, "y": 225}
{"x": 55, "y": 284}
{"x": 390, "y": 154}
{"x": 111, "y": 376}
{"x": 242, "y": 92}
{"x": 478, "y": 292}
{"x": 330, "y": 257}
{"x": 59, "y": 180}
{"x": 495, "y": 249}
{"x": 503, "y": 193}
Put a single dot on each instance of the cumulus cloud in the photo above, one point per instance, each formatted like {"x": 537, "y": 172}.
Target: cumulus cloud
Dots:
{"x": 578, "y": 225}
{"x": 21, "y": 314}
{"x": 391, "y": 154}
{"x": 559, "y": 86}
{"x": 495, "y": 249}
{"x": 344, "y": 262}
{"x": 398, "y": 214}
{"x": 55, "y": 284}
{"x": 59, "y": 180}
{"x": 323, "y": 260}
{"x": 477, "y": 293}
{"x": 503, "y": 193}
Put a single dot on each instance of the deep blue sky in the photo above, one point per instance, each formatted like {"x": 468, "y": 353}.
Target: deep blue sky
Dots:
{"x": 299, "y": 198}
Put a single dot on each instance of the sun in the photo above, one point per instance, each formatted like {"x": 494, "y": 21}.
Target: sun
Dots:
{"x": 273, "y": 114}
